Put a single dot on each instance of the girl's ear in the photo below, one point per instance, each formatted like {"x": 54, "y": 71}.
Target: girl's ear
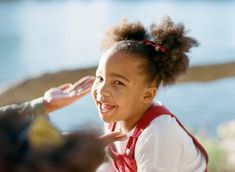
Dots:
{"x": 149, "y": 94}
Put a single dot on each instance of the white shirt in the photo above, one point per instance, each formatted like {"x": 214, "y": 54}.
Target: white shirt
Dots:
{"x": 165, "y": 147}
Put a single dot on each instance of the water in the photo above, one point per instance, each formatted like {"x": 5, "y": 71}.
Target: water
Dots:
{"x": 202, "y": 107}
{"x": 47, "y": 36}
{"x": 39, "y": 36}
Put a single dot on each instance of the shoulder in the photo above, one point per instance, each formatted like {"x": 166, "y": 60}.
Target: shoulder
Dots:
{"x": 165, "y": 128}
{"x": 164, "y": 124}
{"x": 165, "y": 135}
{"x": 161, "y": 131}
{"x": 159, "y": 146}
{"x": 165, "y": 144}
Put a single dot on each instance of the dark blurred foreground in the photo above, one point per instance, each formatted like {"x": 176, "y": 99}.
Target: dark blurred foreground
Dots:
{"x": 34, "y": 145}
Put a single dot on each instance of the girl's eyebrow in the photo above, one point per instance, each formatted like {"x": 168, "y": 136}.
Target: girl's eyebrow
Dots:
{"x": 119, "y": 76}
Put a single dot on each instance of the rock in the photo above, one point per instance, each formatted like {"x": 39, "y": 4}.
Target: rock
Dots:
{"x": 226, "y": 134}
{"x": 227, "y": 131}
{"x": 207, "y": 73}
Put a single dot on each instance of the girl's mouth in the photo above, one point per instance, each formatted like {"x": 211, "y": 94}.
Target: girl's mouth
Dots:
{"x": 105, "y": 107}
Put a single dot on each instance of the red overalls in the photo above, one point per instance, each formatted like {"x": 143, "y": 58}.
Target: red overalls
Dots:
{"x": 126, "y": 162}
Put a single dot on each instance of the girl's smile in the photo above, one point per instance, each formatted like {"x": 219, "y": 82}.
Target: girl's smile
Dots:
{"x": 106, "y": 108}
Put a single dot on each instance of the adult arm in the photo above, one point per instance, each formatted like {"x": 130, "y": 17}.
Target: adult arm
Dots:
{"x": 32, "y": 108}
{"x": 53, "y": 99}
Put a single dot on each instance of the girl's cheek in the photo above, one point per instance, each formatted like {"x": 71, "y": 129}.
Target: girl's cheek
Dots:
{"x": 117, "y": 93}
{"x": 94, "y": 90}
{"x": 118, "y": 90}
{"x": 93, "y": 87}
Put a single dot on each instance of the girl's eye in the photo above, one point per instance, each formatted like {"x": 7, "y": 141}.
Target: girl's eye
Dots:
{"x": 118, "y": 83}
{"x": 99, "y": 78}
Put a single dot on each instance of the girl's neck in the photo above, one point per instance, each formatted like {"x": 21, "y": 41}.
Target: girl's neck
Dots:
{"x": 127, "y": 125}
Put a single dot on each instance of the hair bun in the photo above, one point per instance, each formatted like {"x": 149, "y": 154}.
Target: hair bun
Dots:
{"x": 124, "y": 31}
{"x": 172, "y": 36}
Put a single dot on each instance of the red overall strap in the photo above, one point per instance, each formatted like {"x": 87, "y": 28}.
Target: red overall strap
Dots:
{"x": 154, "y": 112}
{"x": 196, "y": 142}
{"x": 123, "y": 161}
{"x": 126, "y": 162}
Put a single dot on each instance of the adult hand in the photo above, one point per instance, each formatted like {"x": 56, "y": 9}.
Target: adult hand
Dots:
{"x": 66, "y": 94}
{"x": 112, "y": 137}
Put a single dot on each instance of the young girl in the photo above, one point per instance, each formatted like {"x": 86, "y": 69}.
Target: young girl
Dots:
{"x": 135, "y": 63}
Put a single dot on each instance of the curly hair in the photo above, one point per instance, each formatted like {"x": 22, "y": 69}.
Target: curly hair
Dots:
{"x": 162, "y": 67}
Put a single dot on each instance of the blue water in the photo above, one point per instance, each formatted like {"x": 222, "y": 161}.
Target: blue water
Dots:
{"x": 41, "y": 36}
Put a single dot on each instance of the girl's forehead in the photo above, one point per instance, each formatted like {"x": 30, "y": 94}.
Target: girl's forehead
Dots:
{"x": 119, "y": 61}
{"x": 122, "y": 64}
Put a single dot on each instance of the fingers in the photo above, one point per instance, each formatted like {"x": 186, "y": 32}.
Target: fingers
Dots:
{"x": 75, "y": 94}
{"x": 82, "y": 92}
{"x": 65, "y": 86}
{"x": 112, "y": 137}
{"x": 81, "y": 87}
{"x": 84, "y": 83}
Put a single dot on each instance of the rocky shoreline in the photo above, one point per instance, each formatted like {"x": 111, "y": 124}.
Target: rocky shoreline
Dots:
{"x": 31, "y": 88}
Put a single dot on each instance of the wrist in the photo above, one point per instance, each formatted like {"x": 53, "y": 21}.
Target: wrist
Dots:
{"x": 47, "y": 105}
{"x": 38, "y": 107}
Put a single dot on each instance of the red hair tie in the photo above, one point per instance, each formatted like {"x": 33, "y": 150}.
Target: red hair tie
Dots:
{"x": 156, "y": 46}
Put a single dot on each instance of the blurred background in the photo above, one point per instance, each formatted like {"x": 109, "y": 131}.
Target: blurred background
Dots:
{"x": 43, "y": 36}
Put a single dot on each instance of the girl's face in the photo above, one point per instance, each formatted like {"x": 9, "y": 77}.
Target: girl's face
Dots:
{"x": 119, "y": 91}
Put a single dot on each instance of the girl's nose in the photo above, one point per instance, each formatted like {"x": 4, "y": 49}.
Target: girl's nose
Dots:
{"x": 104, "y": 91}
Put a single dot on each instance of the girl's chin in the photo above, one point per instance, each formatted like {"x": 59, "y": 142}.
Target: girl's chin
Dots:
{"x": 106, "y": 118}
{"x": 108, "y": 115}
